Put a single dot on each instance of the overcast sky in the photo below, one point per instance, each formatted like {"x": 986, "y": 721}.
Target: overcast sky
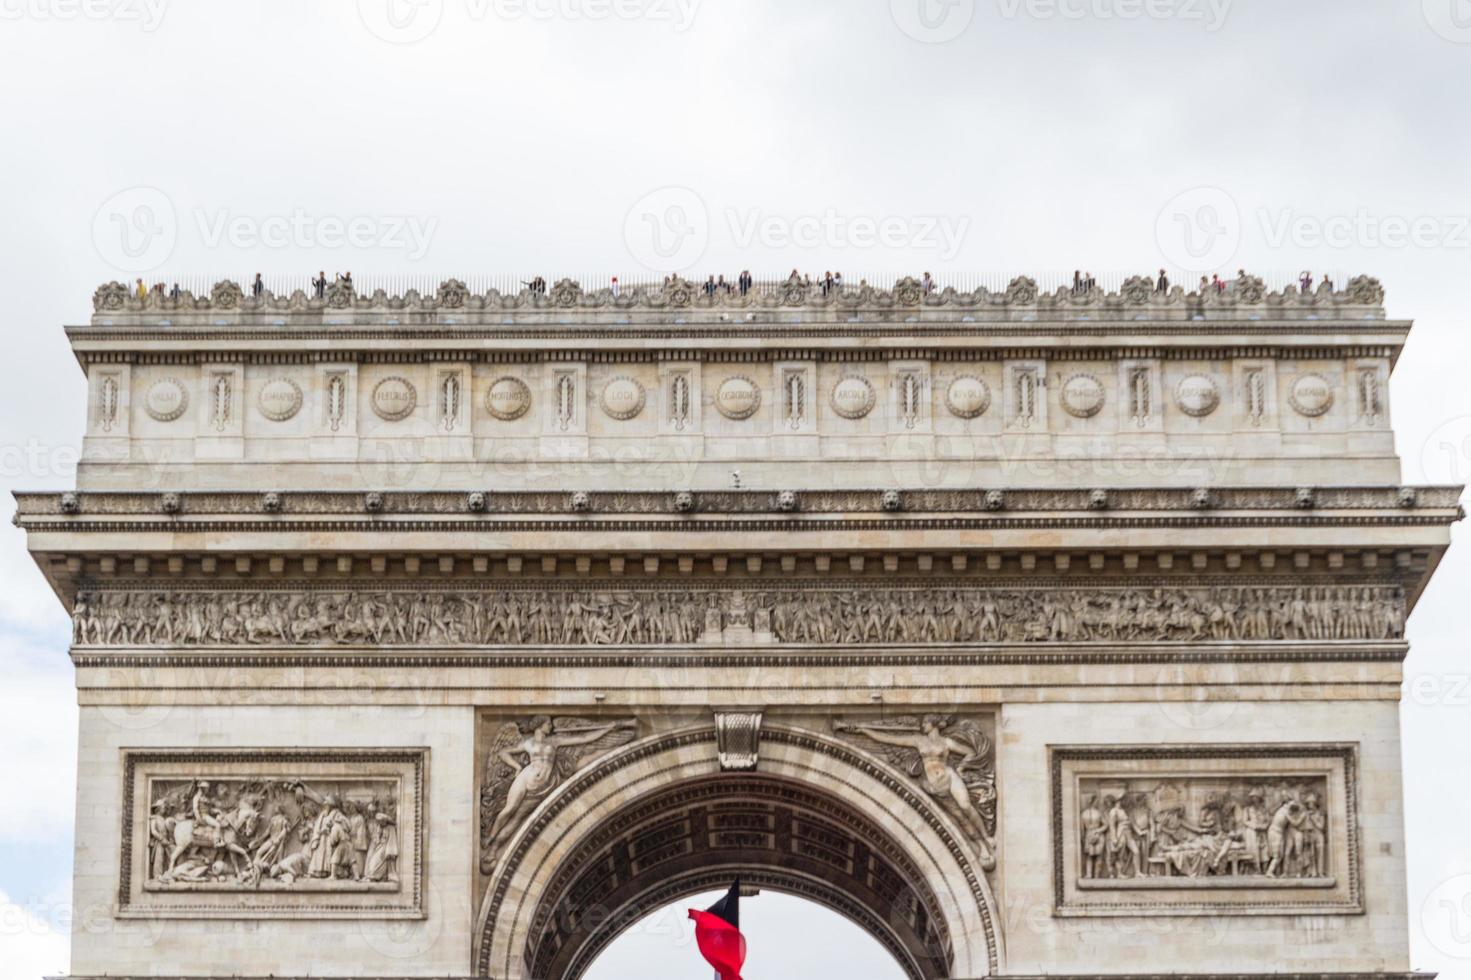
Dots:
{"x": 978, "y": 138}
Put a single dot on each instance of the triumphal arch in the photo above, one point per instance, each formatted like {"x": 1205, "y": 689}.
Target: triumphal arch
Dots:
{"x": 446, "y": 634}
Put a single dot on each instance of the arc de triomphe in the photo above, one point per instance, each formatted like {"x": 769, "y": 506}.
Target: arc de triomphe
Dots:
{"x": 446, "y": 635}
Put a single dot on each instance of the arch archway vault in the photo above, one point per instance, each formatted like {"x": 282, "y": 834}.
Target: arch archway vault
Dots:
{"x": 659, "y": 820}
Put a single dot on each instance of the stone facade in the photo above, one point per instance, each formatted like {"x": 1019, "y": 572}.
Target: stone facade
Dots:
{"x": 447, "y": 635}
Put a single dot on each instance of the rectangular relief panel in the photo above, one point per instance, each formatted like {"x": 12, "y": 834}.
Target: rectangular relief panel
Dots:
{"x": 273, "y": 833}
{"x": 1184, "y": 830}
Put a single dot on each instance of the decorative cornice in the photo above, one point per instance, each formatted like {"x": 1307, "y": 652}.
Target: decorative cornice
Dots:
{"x": 1182, "y": 502}
{"x": 813, "y": 656}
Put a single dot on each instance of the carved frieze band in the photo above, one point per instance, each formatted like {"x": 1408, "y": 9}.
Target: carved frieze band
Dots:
{"x": 1180, "y": 830}
{"x": 270, "y": 833}
{"x": 824, "y": 615}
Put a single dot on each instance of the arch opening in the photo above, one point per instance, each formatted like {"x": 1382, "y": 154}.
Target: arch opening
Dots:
{"x": 787, "y": 935}
{"x": 658, "y": 820}
{"x": 697, "y": 836}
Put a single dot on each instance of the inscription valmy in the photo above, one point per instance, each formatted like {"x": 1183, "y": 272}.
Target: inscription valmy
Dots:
{"x": 165, "y": 400}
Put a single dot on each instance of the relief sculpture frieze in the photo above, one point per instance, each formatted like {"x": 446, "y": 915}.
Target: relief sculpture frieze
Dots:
{"x": 1181, "y": 830}
{"x": 951, "y": 759}
{"x": 526, "y": 763}
{"x": 273, "y": 833}
{"x": 361, "y": 616}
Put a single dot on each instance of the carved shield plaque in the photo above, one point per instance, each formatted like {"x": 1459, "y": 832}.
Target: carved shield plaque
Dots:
{"x": 279, "y": 399}
{"x": 1197, "y": 395}
{"x": 508, "y": 399}
{"x": 853, "y": 397}
{"x": 1311, "y": 395}
{"x": 394, "y": 399}
{"x": 1082, "y": 396}
{"x": 623, "y": 398}
{"x": 738, "y": 398}
{"x": 165, "y": 400}
{"x": 968, "y": 397}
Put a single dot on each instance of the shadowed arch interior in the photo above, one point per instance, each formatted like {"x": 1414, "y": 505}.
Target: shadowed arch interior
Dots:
{"x": 697, "y": 835}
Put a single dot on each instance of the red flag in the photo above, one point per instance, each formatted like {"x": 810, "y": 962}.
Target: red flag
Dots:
{"x": 718, "y": 934}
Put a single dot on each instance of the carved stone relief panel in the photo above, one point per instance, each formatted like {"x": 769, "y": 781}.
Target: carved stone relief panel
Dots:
{"x": 1268, "y": 829}
{"x": 273, "y": 833}
{"x": 527, "y": 759}
{"x": 679, "y": 398}
{"x": 366, "y": 614}
{"x": 952, "y": 759}
{"x": 111, "y": 396}
{"x": 1026, "y": 395}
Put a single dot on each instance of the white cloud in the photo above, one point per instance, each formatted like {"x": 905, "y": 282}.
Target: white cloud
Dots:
{"x": 32, "y": 947}
{"x": 38, "y": 724}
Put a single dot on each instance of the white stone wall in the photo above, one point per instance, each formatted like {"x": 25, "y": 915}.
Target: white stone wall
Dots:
{"x": 437, "y": 946}
{"x": 1039, "y": 943}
